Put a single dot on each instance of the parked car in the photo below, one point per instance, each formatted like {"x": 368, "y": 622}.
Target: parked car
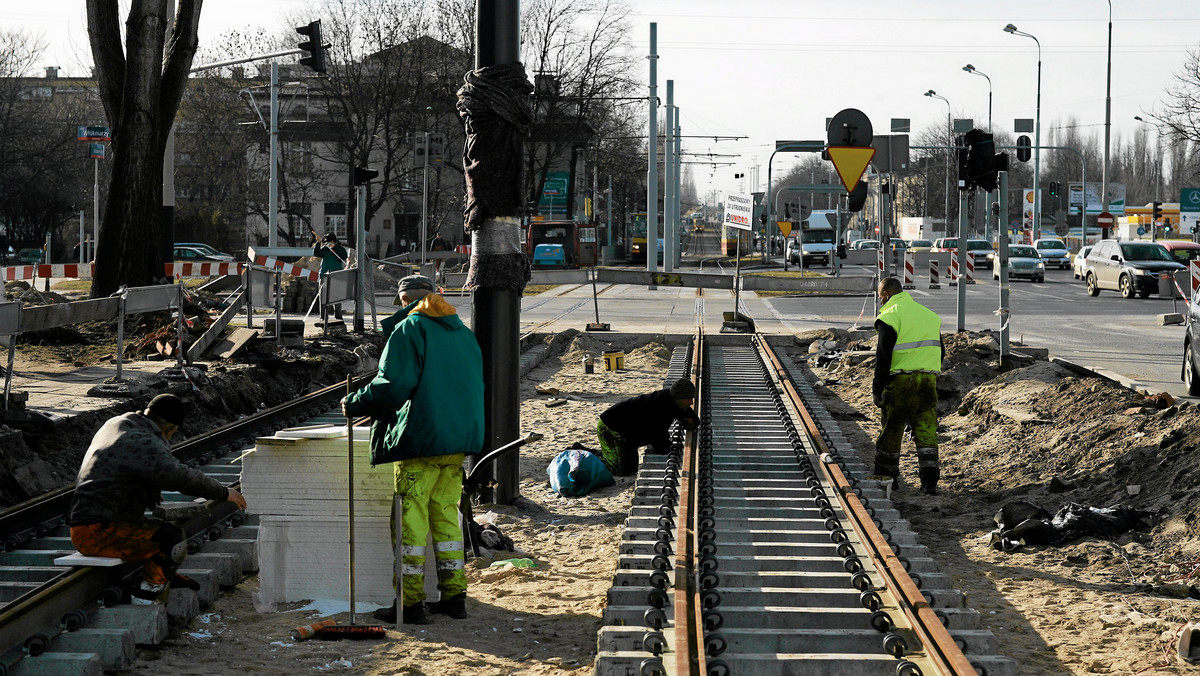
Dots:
{"x": 1191, "y": 351}
{"x": 1078, "y": 261}
{"x": 207, "y": 249}
{"x": 1023, "y": 262}
{"x": 1130, "y": 267}
{"x": 189, "y": 254}
{"x": 920, "y": 245}
{"x": 549, "y": 256}
{"x": 1185, "y": 252}
{"x": 29, "y": 256}
{"x": 1053, "y": 252}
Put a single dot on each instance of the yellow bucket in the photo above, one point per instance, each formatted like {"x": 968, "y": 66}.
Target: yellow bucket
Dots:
{"x": 614, "y": 361}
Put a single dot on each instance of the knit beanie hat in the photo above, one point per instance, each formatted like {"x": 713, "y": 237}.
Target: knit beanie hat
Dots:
{"x": 683, "y": 389}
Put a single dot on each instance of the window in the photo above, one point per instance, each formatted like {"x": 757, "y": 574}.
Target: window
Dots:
{"x": 335, "y": 219}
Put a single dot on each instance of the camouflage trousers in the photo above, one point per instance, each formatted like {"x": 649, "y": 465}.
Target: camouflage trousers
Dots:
{"x": 159, "y": 545}
{"x": 909, "y": 397}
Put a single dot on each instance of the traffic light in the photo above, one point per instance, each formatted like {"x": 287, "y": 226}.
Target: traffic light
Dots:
{"x": 314, "y": 46}
{"x": 858, "y": 197}
{"x": 1053, "y": 189}
{"x": 1156, "y": 211}
{"x": 363, "y": 175}
{"x": 981, "y": 160}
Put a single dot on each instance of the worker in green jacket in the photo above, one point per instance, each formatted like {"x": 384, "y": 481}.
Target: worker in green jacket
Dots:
{"x": 908, "y": 360}
{"x": 333, "y": 258}
{"x": 426, "y": 403}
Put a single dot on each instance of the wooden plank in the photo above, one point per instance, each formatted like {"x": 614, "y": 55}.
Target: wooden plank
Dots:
{"x": 217, "y": 329}
{"x": 233, "y": 343}
{"x": 41, "y": 317}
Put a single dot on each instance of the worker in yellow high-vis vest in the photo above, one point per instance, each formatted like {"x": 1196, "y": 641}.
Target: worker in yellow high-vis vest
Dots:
{"x": 908, "y": 360}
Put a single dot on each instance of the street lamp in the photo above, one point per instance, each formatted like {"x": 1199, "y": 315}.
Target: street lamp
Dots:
{"x": 1107, "y": 124}
{"x": 974, "y": 71}
{"x": 1037, "y": 138}
{"x": 950, "y": 141}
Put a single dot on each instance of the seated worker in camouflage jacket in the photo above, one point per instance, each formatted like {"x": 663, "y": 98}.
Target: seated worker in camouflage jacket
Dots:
{"x": 643, "y": 421}
{"x": 127, "y": 465}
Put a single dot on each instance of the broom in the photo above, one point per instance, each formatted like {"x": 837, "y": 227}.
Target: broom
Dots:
{"x": 352, "y": 630}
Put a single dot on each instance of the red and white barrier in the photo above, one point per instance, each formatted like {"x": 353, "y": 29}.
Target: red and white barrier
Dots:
{"x": 71, "y": 270}
{"x": 970, "y": 269}
{"x": 175, "y": 270}
{"x": 287, "y": 268}
{"x": 954, "y": 268}
{"x": 880, "y": 263}
{"x": 934, "y": 282}
{"x": 910, "y": 275}
{"x": 1194, "y": 268}
{"x": 463, "y": 249}
{"x": 15, "y": 273}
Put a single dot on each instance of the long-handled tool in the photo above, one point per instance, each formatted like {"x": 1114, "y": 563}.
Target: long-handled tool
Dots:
{"x": 351, "y": 630}
{"x": 597, "y": 325}
{"x": 474, "y": 481}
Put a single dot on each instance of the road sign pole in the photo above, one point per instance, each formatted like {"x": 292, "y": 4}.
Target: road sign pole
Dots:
{"x": 962, "y": 260}
{"x": 95, "y": 207}
{"x": 1002, "y": 261}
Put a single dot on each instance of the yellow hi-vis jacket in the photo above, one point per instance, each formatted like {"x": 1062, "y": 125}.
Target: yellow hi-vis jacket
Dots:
{"x": 918, "y": 334}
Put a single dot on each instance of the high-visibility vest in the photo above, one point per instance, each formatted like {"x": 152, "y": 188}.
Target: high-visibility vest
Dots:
{"x": 918, "y": 334}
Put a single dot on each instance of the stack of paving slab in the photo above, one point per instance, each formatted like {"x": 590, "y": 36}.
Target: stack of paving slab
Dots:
{"x": 297, "y": 482}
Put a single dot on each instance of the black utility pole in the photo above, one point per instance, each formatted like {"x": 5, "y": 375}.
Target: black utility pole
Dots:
{"x": 494, "y": 108}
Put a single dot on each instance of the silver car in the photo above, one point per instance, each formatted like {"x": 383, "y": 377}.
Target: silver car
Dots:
{"x": 1023, "y": 261}
{"x": 1053, "y": 252}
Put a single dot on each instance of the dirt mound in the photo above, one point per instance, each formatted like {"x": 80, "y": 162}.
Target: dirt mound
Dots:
{"x": 1041, "y": 433}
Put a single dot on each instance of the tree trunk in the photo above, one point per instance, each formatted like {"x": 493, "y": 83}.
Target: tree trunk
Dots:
{"x": 141, "y": 92}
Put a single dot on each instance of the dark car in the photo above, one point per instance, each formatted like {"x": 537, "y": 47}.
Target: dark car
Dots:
{"x": 1185, "y": 252}
{"x": 1191, "y": 351}
{"x": 1131, "y": 267}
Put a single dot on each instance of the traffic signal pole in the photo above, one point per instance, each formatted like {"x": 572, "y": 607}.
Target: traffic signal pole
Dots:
{"x": 962, "y": 261}
{"x": 1002, "y": 261}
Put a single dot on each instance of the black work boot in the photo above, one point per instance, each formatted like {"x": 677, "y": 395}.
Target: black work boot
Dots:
{"x": 387, "y": 614}
{"x": 415, "y": 614}
{"x": 454, "y": 606}
{"x": 929, "y": 479}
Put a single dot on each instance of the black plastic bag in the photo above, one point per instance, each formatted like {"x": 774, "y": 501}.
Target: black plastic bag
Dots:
{"x": 1024, "y": 523}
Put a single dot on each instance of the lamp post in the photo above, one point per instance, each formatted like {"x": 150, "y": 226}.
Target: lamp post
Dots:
{"x": 975, "y": 71}
{"x": 1107, "y": 127}
{"x": 950, "y": 141}
{"x": 1037, "y": 137}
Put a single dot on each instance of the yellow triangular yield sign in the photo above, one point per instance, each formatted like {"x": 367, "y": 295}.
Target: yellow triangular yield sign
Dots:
{"x": 785, "y": 227}
{"x": 850, "y": 162}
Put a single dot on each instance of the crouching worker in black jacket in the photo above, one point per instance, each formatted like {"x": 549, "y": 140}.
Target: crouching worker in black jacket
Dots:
{"x": 643, "y": 421}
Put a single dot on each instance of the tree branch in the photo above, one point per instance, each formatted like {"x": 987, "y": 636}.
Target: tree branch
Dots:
{"x": 181, "y": 48}
{"x": 104, "y": 35}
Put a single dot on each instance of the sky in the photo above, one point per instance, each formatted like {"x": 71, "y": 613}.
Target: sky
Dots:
{"x": 767, "y": 70}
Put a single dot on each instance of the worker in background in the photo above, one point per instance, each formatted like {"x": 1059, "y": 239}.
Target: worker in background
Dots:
{"x": 909, "y": 358}
{"x": 127, "y": 465}
{"x": 644, "y": 420}
{"x": 438, "y": 244}
{"x": 333, "y": 258}
{"x": 426, "y": 402}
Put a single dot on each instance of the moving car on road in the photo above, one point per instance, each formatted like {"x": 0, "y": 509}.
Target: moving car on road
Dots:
{"x": 1053, "y": 252}
{"x": 1078, "y": 261}
{"x": 1129, "y": 267}
{"x": 29, "y": 256}
{"x": 860, "y": 244}
{"x": 1023, "y": 262}
{"x": 920, "y": 245}
{"x": 981, "y": 251}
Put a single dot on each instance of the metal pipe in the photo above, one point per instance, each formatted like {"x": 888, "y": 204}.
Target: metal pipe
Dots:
{"x": 1107, "y": 125}
{"x": 652, "y": 161}
{"x": 669, "y": 180}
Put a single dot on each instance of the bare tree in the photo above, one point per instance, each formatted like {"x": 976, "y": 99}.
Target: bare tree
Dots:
{"x": 45, "y": 169}
{"x": 580, "y": 54}
{"x": 140, "y": 89}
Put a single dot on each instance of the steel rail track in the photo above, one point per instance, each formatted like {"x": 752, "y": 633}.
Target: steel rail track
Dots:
{"x": 754, "y": 548}
{"x": 29, "y": 620}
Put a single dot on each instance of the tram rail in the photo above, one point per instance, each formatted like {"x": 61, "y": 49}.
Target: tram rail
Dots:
{"x": 40, "y": 601}
{"x": 758, "y": 547}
